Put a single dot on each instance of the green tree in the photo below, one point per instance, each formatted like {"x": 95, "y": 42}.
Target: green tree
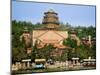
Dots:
{"x": 73, "y": 44}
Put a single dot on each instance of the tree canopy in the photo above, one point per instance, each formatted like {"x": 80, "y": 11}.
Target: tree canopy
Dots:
{"x": 82, "y": 51}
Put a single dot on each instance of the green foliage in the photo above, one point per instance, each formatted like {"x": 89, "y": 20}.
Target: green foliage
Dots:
{"x": 82, "y": 51}
{"x": 18, "y": 54}
{"x": 42, "y": 52}
{"x": 18, "y": 47}
{"x": 86, "y": 31}
{"x": 70, "y": 42}
{"x": 19, "y": 51}
{"x": 64, "y": 56}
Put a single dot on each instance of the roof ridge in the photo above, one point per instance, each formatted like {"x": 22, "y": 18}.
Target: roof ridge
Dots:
{"x": 42, "y": 34}
{"x": 58, "y": 34}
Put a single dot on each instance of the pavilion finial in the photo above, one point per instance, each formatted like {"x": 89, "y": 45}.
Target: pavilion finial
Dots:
{"x": 50, "y": 10}
{"x": 25, "y": 29}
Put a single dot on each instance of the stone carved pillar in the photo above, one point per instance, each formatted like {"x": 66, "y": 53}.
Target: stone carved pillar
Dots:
{"x": 28, "y": 64}
{"x": 73, "y": 62}
{"x": 24, "y": 66}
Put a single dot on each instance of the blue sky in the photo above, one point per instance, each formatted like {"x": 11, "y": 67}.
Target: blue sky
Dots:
{"x": 73, "y": 14}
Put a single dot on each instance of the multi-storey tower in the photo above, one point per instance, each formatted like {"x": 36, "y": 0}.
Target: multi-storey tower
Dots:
{"x": 51, "y": 19}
